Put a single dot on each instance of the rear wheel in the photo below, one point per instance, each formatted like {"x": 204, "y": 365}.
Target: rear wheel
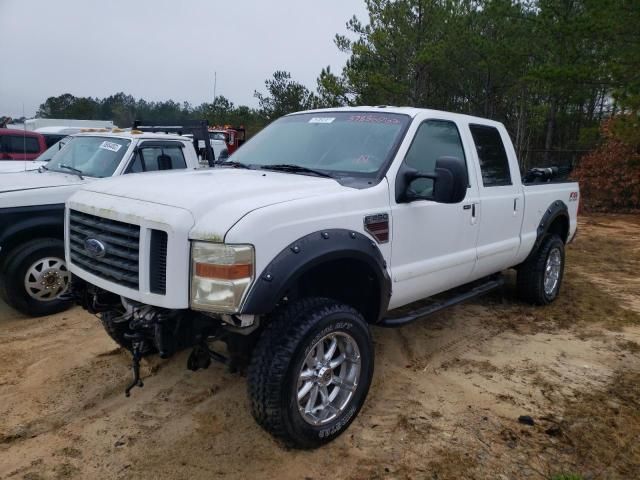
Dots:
{"x": 310, "y": 372}
{"x": 540, "y": 277}
{"x": 33, "y": 277}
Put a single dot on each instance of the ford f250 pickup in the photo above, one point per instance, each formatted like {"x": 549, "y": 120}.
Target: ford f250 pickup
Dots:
{"x": 32, "y": 268}
{"x": 320, "y": 227}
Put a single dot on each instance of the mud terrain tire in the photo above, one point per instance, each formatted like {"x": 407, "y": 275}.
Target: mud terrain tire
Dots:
{"x": 295, "y": 351}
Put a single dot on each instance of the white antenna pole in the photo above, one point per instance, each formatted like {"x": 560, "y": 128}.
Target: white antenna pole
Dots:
{"x": 215, "y": 84}
{"x": 24, "y": 137}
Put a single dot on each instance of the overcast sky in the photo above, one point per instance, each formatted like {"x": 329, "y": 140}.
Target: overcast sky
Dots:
{"x": 162, "y": 49}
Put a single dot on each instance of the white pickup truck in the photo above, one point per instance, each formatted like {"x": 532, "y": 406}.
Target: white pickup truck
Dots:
{"x": 321, "y": 226}
{"x": 32, "y": 268}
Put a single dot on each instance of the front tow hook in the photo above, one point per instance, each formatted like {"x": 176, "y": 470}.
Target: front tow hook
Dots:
{"x": 137, "y": 346}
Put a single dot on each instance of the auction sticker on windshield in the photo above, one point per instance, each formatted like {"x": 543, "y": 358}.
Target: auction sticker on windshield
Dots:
{"x": 322, "y": 120}
{"x": 114, "y": 147}
{"x": 374, "y": 119}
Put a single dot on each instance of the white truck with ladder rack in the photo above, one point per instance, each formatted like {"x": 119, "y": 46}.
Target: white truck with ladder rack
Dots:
{"x": 33, "y": 273}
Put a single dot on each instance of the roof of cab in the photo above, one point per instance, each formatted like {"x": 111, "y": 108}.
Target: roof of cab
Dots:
{"x": 15, "y": 131}
{"x": 135, "y": 134}
{"x": 411, "y": 111}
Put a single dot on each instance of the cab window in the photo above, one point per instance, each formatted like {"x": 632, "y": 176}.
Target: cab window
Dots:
{"x": 494, "y": 163}
{"x": 434, "y": 139}
{"x": 157, "y": 157}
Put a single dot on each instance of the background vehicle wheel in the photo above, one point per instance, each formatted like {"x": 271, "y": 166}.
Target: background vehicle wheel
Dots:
{"x": 310, "y": 372}
{"x": 540, "y": 277}
{"x": 34, "y": 275}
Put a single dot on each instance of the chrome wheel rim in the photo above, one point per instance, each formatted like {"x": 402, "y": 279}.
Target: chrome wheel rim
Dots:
{"x": 47, "y": 278}
{"x": 328, "y": 378}
{"x": 552, "y": 271}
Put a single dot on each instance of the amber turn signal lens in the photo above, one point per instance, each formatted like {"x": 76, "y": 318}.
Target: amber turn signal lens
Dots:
{"x": 226, "y": 272}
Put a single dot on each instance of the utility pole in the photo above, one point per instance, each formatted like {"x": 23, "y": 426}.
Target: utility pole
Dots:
{"x": 215, "y": 84}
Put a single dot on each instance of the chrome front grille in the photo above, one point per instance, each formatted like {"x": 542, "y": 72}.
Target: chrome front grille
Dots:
{"x": 115, "y": 255}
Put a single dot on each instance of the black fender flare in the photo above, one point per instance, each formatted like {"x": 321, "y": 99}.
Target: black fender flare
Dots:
{"x": 308, "y": 252}
{"x": 15, "y": 221}
{"x": 556, "y": 210}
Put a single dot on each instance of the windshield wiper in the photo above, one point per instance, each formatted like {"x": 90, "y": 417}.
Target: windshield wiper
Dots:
{"x": 235, "y": 165}
{"x": 77, "y": 171}
{"x": 290, "y": 168}
{"x": 41, "y": 168}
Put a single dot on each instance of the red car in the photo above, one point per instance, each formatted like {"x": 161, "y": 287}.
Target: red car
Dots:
{"x": 20, "y": 144}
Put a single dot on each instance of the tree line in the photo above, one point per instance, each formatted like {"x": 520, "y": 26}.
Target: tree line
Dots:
{"x": 123, "y": 109}
{"x": 551, "y": 70}
{"x": 283, "y": 95}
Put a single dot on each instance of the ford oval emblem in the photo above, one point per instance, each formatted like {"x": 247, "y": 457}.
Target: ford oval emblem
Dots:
{"x": 95, "y": 247}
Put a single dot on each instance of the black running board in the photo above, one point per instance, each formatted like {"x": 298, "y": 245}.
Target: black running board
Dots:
{"x": 481, "y": 289}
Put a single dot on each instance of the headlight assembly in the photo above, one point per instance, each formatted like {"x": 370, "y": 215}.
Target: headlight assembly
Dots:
{"x": 220, "y": 276}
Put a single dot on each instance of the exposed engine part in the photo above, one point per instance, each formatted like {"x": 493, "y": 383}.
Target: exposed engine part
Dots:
{"x": 198, "y": 359}
{"x": 145, "y": 329}
{"x": 91, "y": 298}
{"x": 201, "y": 357}
{"x": 237, "y": 327}
{"x": 240, "y": 321}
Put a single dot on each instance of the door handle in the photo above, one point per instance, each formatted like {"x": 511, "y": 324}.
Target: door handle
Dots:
{"x": 472, "y": 207}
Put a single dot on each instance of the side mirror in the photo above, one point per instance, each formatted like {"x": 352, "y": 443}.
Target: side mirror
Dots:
{"x": 447, "y": 184}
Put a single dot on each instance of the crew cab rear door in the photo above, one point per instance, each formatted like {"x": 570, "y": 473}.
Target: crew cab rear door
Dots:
{"x": 433, "y": 245}
{"x": 501, "y": 204}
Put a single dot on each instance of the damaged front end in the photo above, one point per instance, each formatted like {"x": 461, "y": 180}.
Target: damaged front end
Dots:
{"x": 145, "y": 330}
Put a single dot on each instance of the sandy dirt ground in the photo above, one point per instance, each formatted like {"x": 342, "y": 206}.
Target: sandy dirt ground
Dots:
{"x": 445, "y": 400}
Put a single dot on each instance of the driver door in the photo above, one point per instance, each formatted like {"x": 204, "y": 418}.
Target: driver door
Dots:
{"x": 433, "y": 244}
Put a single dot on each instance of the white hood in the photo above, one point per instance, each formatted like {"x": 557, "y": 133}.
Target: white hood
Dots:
{"x": 15, "y": 166}
{"x": 216, "y": 198}
{"x": 11, "y": 182}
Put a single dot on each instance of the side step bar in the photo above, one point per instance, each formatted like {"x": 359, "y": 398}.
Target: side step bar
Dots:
{"x": 481, "y": 289}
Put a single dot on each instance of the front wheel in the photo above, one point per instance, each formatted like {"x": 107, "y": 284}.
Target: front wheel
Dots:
{"x": 34, "y": 276}
{"x": 310, "y": 372}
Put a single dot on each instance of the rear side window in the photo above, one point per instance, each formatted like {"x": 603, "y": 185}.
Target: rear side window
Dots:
{"x": 18, "y": 144}
{"x": 154, "y": 158}
{"x": 494, "y": 164}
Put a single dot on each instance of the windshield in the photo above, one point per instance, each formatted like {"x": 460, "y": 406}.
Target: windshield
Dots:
{"x": 218, "y": 136}
{"x": 93, "y": 156}
{"x": 337, "y": 143}
{"x": 52, "y": 150}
